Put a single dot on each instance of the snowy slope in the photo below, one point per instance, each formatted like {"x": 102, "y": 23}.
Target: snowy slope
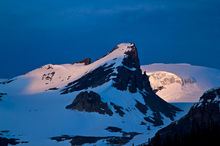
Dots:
{"x": 181, "y": 82}
{"x": 56, "y": 76}
{"x": 84, "y": 100}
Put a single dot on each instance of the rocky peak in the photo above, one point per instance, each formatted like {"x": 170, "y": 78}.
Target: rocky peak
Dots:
{"x": 132, "y": 59}
{"x": 86, "y": 61}
{"x": 131, "y": 55}
{"x": 203, "y": 116}
{"x": 122, "y": 68}
{"x": 129, "y": 74}
{"x": 210, "y": 97}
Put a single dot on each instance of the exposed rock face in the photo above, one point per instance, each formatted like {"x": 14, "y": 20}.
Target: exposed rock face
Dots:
{"x": 93, "y": 79}
{"x": 130, "y": 75}
{"x": 109, "y": 140}
{"x": 48, "y": 76}
{"x": 6, "y": 141}
{"x": 142, "y": 108}
{"x": 118, "y": 109}
{"x": 203, "y": 115}
{"x": 126, "y": 76}
{"x": 113, "y": 129}
{"x": 86, "y": 61}
{"x": 89, "y": 102}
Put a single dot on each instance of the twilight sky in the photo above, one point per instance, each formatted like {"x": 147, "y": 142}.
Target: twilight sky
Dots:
{"x": 38, "y": 32}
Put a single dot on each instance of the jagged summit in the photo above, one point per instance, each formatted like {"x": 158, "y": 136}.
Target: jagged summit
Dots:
{"x": 51, "y": 76}
{"x": 123, "y": 74}
{"x": 111, "y": 91}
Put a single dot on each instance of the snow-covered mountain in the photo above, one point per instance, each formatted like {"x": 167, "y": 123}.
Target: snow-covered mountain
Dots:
{"x": 181, "y": 82}
{"x": 108, "y": 101}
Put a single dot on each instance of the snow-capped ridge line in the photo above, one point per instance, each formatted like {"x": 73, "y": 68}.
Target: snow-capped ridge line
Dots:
{"x": 52, "y": 76}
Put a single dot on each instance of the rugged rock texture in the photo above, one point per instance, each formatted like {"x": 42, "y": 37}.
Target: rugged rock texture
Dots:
{"x": 48, "y": 76}
{"x": 142, "y": 108}
{"x": 93, "y": 79}
{"x": 159, "y": 105}
{"x": 109, "y": 140}
{"x": 89, "y": 102}
{"x": 130, "y": 75}
{"x": 202, "y": 121}
{"x": 118, "y": 109}
{"x": 6, "y": 141}
{"x": 127, "y": 76}
{"x": 86, "y": 61}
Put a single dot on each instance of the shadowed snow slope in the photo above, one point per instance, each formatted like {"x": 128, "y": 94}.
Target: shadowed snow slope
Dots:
{"x": 181, "y": 82}
{"x": 108, "y": 101}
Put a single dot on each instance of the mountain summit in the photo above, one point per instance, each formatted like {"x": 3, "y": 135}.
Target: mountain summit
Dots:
{"x": 108, "y": 101}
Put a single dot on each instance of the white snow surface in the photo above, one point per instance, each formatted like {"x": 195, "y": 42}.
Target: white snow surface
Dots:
{"x": 33, "y": 113}
{"x": 192, "y": 81}
{"x": 57, "y": 76}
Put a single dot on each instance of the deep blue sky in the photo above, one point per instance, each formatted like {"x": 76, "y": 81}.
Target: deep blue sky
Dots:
{"x": 37, "y": 32}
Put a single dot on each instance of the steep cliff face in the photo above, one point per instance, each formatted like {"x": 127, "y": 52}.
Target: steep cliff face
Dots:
{"x": 124, "y": 74}
{"x": 199, "y": 125}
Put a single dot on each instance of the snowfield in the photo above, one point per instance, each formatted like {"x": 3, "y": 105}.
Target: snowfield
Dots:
{"x": 181, "y": 82}
{"x": 33, "y": 109}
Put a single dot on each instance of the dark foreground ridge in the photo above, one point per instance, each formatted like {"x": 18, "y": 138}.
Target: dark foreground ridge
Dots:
{"x": 201, "y": 126}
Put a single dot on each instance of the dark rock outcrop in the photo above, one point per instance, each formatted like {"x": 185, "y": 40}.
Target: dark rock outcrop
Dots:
{"x": 89, "y": 102}
{"x": 110, "y": 140}
{"x": 142, "y": 108}
{"x": 199, "y": 127}
{"x": 86, "y": 61}
{"x": 156, "y": 119}
{"x": 6, "y": 141}
{"x": 113, "y": 129}
{"x": 118, "y": 109}
{"x": 48, "y": 76}
{"x": 92, "y": 79}
{"x": 54, "y": 88}
{"x": 127, "y": 76}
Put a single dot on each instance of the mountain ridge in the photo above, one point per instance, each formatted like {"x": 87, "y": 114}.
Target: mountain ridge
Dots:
{"x": 109, "y": 92}
{"x": 200, "y": 126}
